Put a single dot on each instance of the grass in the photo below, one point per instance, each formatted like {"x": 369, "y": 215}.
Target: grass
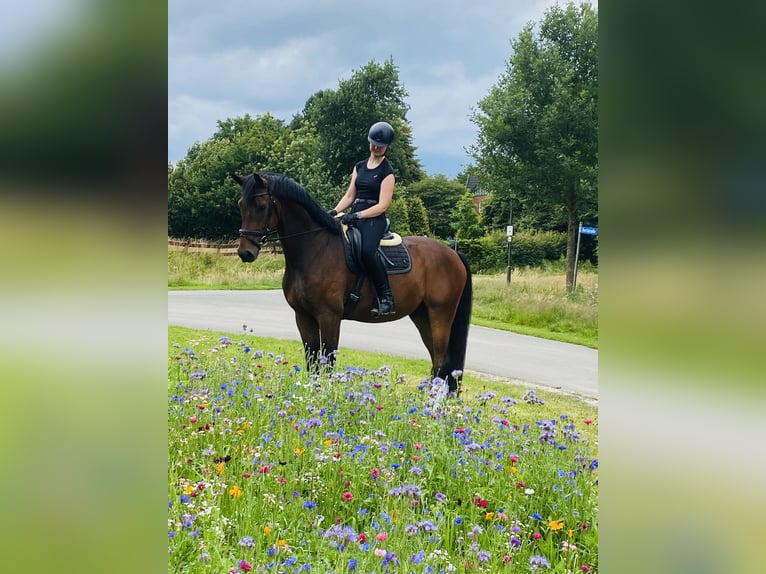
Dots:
{"x": 536, "y": 302}
{"x": 369, "y": 469}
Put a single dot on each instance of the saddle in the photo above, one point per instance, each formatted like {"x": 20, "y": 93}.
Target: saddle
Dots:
{"x": 392, "y": 251}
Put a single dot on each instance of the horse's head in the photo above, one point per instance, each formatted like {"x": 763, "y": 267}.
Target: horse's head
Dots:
{"x": 259, "y": 215}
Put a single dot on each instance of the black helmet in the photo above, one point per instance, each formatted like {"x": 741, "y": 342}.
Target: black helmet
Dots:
{"x": 381, "y": 134}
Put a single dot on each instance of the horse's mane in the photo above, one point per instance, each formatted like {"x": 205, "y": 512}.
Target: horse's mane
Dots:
{"x": 287, "y": 188}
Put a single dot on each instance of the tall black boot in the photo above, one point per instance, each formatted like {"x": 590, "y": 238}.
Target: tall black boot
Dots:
{"x": 385, "y": 298}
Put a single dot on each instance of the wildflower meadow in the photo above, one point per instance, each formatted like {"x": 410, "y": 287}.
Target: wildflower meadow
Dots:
{"x": 272, "y": 469}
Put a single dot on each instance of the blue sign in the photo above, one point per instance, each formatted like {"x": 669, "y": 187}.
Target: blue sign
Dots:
{"x": 589, "y": 230}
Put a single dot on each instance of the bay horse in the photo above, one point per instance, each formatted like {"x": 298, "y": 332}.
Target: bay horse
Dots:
{"x": 436, "y": 293}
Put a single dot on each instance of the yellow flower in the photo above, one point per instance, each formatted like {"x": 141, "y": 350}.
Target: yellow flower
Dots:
{"x": 570, "y": 533}
{"x": 299, "y": 451}
{"x": 266, "y": 530}
{"x": 282, "y": 543}
{"x": 189, "y": 489}
{"x": 327, "y": 442}
{"x": 219, "y": 466}
{"x": 556, "y": 524}
{"x": 513, "y": 470}
{"x": 235, "y": 491}
{"x": 240, "y": 432}
{"x": 489, "y": 516}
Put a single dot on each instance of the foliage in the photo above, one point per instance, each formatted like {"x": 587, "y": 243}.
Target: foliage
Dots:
{"x": 538, "y": 125}
{"x": 201, "y": 196}
{"x": 464, "y": 219}
{"x": 417, "y": 216}
{"x": 343, "y": 117}
{"x": 270, "y": 469}
{"x": 439, "y": 195}
{"x": 398, "y": 214}
{"x": 489, "y": 253}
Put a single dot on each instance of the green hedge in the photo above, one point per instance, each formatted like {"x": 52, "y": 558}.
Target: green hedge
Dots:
{"x": 489, "y": 254}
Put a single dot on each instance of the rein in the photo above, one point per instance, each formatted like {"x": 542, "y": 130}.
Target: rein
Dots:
{"x": 269, "y": 235}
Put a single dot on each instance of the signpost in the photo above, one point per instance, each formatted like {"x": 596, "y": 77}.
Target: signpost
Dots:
{"x": 583, "y": 230}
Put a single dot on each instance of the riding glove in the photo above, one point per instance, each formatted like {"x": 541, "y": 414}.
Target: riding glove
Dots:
{"x": 349, "y": 218}
{"x": 332, "y": 212}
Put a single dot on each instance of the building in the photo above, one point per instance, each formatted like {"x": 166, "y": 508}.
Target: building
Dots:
{"x": 479, "y": 194}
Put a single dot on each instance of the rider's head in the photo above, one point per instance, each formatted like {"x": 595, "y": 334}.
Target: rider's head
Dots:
{"x": 381, "y": 134}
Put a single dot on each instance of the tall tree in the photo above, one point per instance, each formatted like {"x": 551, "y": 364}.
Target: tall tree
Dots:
{"x": 418, "y": 216}
{"x": 538, "y": 139}
{"x": 343, "y": 117}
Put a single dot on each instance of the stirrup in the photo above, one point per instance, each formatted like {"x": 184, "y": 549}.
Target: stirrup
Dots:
{"x": 389, "y": 306}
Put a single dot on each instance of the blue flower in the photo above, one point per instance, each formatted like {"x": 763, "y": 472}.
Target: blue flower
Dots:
{"x": 537, "y": 562}
{"x": 458, "y": 520}
{"x": 352, "y": 564}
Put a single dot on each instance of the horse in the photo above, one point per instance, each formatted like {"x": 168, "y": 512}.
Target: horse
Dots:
{"x": 436, "y": 293}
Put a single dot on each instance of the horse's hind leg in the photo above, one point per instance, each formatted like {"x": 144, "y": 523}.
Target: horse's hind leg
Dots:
{"x": 435, "y": 335}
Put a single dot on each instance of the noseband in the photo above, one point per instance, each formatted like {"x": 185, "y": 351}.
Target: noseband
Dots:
{"x": 267, "y": 235}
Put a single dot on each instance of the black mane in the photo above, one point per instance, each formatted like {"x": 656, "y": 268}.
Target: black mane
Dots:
{"x": 287, "y": 188}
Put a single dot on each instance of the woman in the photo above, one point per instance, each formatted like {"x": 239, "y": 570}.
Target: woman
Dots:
{"x": 369, "y": 195}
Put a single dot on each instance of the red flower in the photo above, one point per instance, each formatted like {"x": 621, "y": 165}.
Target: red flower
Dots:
{"x": 587, "y": 422}
{"x": 537, "y": 535}
{"x": 245, "y": 566}
{"x": 480, "y": 502}
{"x": 514, "y": 458}
{"x": 520, "y": 484}
{"x": 246, "y": 475}
{"x": 585, "y": 568}
{"x": 362, "y": 538}
{"x": 375, "y": 473}
{"x": 264, "y": 469}
{"x": 347, "y": 497}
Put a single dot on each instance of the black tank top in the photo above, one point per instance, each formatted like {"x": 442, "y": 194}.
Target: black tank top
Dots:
{"x": 368, "y": 180}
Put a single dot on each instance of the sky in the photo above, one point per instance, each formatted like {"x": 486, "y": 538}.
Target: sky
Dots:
{"x": 229, "y": 58}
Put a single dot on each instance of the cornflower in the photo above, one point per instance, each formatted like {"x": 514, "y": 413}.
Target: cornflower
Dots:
{"x": 537, "y": 562}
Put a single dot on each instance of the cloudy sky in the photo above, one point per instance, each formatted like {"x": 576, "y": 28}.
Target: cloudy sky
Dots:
{"x": 228, "y": 58}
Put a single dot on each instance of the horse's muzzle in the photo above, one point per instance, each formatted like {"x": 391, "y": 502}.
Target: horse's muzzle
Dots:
{"x": 248, "y": 254}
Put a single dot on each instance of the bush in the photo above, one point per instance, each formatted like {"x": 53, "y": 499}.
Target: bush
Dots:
{"x": 489, "y": 254}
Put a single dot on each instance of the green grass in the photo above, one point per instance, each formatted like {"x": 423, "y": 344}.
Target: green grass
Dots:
{"x": 363, "y": 469}
{"x": 536, "y": 302}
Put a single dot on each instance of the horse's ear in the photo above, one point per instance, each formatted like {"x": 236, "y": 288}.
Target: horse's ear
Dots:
{"x": 259, "y": 181}
{"x": 239, "y": 179}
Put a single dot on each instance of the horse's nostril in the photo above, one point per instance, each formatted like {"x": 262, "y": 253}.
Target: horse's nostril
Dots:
{"x": 247, "y": 256}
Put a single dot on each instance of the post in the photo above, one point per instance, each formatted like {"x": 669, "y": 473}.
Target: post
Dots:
{"x": 510, "y": 236}
{"x": 577, "y": 258}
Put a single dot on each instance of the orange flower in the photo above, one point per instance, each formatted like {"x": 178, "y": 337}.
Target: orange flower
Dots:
{"x": 556, "y": 524}
{"x": 266, "y": 530}
{"x": 299, "y": 451}
{"x": 219, "y": 466}
{"x": 489, "y": 516}
{"x": 282, "y": 543}
{"x": 235, "y": 491}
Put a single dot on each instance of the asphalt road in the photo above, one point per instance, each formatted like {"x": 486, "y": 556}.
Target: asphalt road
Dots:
{"x": 571, "y": 368}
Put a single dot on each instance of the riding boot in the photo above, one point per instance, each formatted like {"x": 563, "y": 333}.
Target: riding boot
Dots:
{"x": 385, "y": 298}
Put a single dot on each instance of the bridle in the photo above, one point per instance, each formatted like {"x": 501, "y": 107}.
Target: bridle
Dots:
{"x": 268, "y": 235}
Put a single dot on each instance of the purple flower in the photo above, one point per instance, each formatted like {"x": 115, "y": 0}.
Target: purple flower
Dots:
{"x": 246, "y": 542}
{"x": 537, "y": 562}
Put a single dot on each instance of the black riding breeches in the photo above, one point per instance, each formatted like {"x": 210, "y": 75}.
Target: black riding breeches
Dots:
{"x": 372, "y": 230}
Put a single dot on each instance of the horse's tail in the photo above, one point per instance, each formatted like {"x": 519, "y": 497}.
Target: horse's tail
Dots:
{"x": 458, "y": 337}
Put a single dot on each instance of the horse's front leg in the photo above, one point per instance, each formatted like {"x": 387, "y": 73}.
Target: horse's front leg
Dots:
{"x": 308, "y": 327}
{"x": 329, "y": 329}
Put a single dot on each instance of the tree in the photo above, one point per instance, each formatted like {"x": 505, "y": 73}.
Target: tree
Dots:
{"x": 439, "y": 195}
{"x": 202, "y": 199}
{"x": 418, "y": 216}
{"x": 465, "y": 220}
{"x": 343, "y": 117}
{"x": 538, "y": 134}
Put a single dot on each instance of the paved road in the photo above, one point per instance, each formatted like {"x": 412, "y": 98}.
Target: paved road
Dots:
{"x": 572, "y": 368}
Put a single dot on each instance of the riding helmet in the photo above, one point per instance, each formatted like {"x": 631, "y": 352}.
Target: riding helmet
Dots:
{"x": 381, "y": 134}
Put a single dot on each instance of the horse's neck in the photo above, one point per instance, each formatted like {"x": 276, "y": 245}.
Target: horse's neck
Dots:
{"x": 303, "y": 240}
